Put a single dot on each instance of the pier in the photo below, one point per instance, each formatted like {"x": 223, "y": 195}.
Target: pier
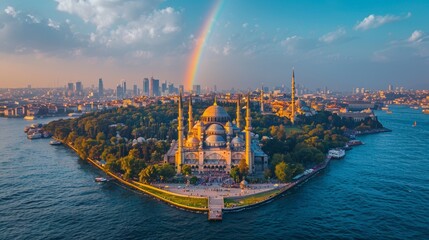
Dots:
{"x": 215, "y": 208}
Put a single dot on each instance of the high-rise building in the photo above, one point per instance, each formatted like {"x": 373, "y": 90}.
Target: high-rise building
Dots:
{"x": 181, "y": 88}
{"x": 151, "y": 87}
{"x": 196, "y": 89}
{"x": 156, "y": 89}
{"x": 119, "y": 92}
{"x": 171, "y": 88}
{"x": 124, "y": 89}
{"x": 164, "y": 88}
{"x": 70, "y": 87}
{"x": 390, "y": 88}
{"x": 79, "y": 87}
{"x": 135, "y": 90}
{"x": 100, "y": 87}
{"x": 146, "y": 86}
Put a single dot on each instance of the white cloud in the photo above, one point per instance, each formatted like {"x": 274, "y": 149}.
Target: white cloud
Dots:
{"x": 10, "y": 11}
{"x": 227, "y": 49}
{"x": 33, "y": 19}
{"x": 143, "y": 54}
{"x": 146, "y": 28}
{"x": 105, "y": 13}
{"x": 53, "y": 24}
{"x": 416, "y": 36}
{"x": 124, "y": 21}
{"x": 245, "y": 25}
{"x": 375, "y": 21}
{"x": 333, "y": 36}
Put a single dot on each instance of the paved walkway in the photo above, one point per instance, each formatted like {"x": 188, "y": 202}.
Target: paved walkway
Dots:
{"x": 216, "y": 190}
{"x": 215, "y": 208}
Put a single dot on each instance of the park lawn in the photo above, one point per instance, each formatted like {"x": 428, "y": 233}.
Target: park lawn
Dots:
{"x": 251, "y": 199}
{"x": 186, "y": 201}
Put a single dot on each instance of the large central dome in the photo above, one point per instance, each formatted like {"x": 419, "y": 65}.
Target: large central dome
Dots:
{"x": 215, "y": 113}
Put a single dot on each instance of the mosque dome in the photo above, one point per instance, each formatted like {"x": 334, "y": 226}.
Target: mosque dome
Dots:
{"x": 215, "y": 141}
{"x": 215, "y": 129}
{"x": 237, "y": 142}
{"x": 215, "y": 113}
{"x": 192, "y": 142}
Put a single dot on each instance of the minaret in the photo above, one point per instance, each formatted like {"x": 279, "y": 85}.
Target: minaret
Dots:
{"x": 262, "y": 99}
{"x": 180, "y": 129}
{"x": 190, "y": 118}
{"x": 237, "y": 120}
{"x": 248, "y": 129}
{"x": 292, "y": 116}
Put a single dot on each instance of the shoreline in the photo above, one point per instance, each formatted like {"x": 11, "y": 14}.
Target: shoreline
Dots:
{"x": 276, "y": 193}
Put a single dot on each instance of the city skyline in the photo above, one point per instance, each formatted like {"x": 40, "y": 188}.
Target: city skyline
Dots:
{"x": 227, "y": 44}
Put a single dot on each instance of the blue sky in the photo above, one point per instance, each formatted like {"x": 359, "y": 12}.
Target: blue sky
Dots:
{"x": 338, "y": 44}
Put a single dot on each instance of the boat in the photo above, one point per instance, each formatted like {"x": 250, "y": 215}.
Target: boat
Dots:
{"x": 425, "y": 111}
{"x": 29, "y": 117}
{"x": 385, "y": 108}
{"x": 336, "y": 153}
{"x": 354, "y": 142}
{"x": 414, "y": 124}
{"x": 389, "y": 112}
{"x": 35, "y": 135}
{"x": 101, "y": 179}
{"x": 55, "y": 142}
{"x": 347, "y": 147}
{"x": 415, "y": 107}
{"x": 75, "y": 114}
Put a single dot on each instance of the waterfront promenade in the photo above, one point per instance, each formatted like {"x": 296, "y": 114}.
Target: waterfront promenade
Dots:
{"x": 217, "y": 198}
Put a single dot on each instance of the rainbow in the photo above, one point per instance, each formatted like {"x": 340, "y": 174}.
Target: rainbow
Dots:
{"x": 195, "y": 59}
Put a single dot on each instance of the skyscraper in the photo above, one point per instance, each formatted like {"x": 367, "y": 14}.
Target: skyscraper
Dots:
{"x": 100, "y": 87}
{"x": 70, "y": 87}
{"x": 154, "y": 87}
{"x": 135, "y": 90}
{"x": 146, "y": 86}
{"x": 124, "y": 89}
{"x": 164, "y": 87}
{"x": 119, "y": 92}
{"x": 79, "y": 88}
{"x": 196, "y": 89}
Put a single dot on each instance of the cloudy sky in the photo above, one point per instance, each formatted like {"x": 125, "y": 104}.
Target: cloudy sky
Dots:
{"x": 338, "y": 44}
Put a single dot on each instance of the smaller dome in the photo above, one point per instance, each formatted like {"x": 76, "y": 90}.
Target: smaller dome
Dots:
{"x": 215, "y": 141}
{"x": 215, "y": 129}
{"x": 192, "y": 142}
{"x": 237, "y": 142}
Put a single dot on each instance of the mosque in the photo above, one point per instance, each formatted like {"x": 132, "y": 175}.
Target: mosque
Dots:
{"x": 215, "y": 143}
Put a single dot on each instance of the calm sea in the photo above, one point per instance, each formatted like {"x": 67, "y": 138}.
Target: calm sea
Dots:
{"x": 379, "y": 191}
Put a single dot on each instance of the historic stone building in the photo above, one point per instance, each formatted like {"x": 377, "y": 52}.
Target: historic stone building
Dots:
{"x": 215, "y": 142}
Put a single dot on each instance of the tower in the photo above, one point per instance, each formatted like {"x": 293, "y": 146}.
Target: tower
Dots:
{"x": 262, "y": 99}
{"x": 180, "y": 128}
{"x": 190, "y": 117}
{"x": 238, "y": 112}
{"x": 292, "y": 115}
{"x": 248, "y": 129}
{"x": 100, "y": 87}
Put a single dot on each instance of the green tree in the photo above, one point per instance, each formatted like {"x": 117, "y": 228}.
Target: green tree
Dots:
{"x": 149, "y": 174}
{"x": 235, "y": 174}
{"x": 283, "y": 172}
{"x": 166, "y": 171}
{"x": 193, "y": 180}
{"x": 186, "y": 170}
{"x": 243, "y": 168}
